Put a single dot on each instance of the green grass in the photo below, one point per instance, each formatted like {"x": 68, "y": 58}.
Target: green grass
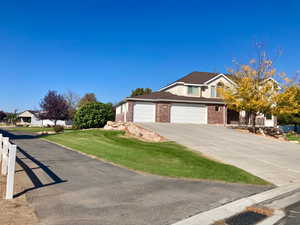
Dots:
{"x": 32, "y": 129}
{"x": 292, "y": 137}
{"x": 166, "y": 159}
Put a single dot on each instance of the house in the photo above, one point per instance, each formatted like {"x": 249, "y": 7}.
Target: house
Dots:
{"x": 195, "y": 98}
{"x": 30, "y": 118}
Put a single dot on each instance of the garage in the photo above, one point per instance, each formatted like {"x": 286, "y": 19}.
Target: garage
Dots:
{"x": 189, "y": 113}
{"x": 144, "y": 112}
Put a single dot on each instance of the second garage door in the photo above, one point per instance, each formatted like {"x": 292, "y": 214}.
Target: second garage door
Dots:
{"x": 189, "y": 113}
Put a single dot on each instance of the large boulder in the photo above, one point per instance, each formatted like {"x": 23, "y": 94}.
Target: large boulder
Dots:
{"x": 135, "y": 130}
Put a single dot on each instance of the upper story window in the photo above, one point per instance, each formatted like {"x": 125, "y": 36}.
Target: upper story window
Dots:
{"x": 193, "y": 91}
{"x": 220, "y": 89}
{"x": 213, "y": 91}
{"x": 217, "y": 91}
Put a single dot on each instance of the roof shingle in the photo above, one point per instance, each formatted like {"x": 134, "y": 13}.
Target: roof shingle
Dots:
{"x": 165, "y": 96}
{"x": 197, "y": 77}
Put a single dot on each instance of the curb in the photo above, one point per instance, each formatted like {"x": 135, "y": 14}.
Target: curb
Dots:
{"x": 233, "y": 208}
{"x": 277, "y": 215}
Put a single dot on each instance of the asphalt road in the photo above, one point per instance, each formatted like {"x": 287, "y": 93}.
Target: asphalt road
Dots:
{"x": 68, "y": 188}
{"x": 273, "y": 160}
{"x": 293, "y": 215}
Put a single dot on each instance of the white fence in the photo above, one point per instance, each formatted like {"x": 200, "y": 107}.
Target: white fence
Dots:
{"x": 8, "y": 162}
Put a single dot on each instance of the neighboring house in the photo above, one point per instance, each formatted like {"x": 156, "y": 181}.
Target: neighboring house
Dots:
{"x": 195, "y": 98}
{"x": 30, "y": 118}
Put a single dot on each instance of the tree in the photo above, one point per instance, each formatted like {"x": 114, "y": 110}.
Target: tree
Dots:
{"x": 87, "y": 98}
{"x": 12, "y": 118}
{"x": 141, "y": 91}
{"x": 55, "y": 107}
{"x": 72, "y": 100}
{"x": 93, "y": 115}
{"x": 2, "y": 115}
{"x": 257, "y": 92}
{"x": 292, "y": 118}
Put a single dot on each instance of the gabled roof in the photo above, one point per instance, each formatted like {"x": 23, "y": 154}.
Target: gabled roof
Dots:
{"x": 197, "y": 77}
{"x": 33, "y": 112}
{"x": 167, "y": 96}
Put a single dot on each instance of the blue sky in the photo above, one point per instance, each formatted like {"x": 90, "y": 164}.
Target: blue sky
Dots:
{"x": 111, "y": 47}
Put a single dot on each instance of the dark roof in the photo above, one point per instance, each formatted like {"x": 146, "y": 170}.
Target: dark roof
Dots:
{"x": 197, "y": 77}
{"x": 165, "y": 96}
{"x": 33, "y": 111}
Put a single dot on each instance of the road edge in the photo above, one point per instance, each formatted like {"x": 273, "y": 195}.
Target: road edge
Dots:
{"x": 233, "y": 208}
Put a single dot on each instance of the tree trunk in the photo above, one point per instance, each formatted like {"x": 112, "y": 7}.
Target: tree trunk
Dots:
{"x": 55, "y": 121}
{"x": 296, "y": 128}
{"x": 254, "y": 122}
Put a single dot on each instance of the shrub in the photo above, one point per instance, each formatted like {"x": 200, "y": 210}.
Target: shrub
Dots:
{"x": 93, "y": 115}
{"x": 58, "y": 128}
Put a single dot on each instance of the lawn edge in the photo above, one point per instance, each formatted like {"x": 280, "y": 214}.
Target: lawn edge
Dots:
{"x": 146, "y": 173}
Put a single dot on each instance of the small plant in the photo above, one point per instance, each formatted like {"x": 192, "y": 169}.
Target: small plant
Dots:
{"x": 58, "y": 128}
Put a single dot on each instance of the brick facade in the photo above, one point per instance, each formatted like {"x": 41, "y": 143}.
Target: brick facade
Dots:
{"x": 216, "y": 114}
{"x": 163, "y": 111}
{"x": 129, "y": 116}
{"x": 120, "y": 117}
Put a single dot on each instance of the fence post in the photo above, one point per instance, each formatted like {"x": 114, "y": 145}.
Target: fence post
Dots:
{"x": 11, "y": 171}
{"x": 4, "y": 156}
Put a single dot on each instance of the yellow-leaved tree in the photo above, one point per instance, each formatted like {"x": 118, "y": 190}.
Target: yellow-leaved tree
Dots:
{"x": 260, "y": 89}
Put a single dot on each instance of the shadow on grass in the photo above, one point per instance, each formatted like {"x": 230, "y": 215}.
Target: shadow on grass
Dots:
{"x": 12, "y": 135}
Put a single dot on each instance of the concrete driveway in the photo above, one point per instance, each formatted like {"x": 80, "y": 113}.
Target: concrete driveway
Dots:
{"x": 275, "y": 161}
{"x": 68, "y": 188}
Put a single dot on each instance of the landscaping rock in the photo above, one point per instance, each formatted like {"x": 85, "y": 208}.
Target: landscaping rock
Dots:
{"x": 135, "y": 130}
{"x": 46, "y": 132}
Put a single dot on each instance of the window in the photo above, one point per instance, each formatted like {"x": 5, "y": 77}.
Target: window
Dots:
{"x": 220, "y": 88}
{"x": 217, "y": 108}
{"x": 213, "y": 91}
{"x": 268, "y": 116}
{"x": 193, "y": 91}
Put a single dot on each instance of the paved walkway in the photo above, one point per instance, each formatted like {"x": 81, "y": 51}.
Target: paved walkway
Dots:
{"x": 275, "y": 161}
{"x": 67, "y": 188}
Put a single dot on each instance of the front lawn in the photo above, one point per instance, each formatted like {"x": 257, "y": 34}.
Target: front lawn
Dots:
{"x": 166, "y": 159}
{"x": 293, "y": 137}
{"x": 30, "y": 129}
{"x": 33, "y": 129}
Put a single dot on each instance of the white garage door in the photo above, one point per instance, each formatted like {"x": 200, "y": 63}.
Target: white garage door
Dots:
{"x": 144, "y": 112}
{"x": 189, "y": 113}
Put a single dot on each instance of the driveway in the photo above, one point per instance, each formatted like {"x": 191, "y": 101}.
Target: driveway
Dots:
{"x": 68, "y": 188}
{"x": 275, "y": 161}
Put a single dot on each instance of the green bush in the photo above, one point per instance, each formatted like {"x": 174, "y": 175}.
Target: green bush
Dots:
{"x": 93, "y": 115}
{"x": 58, "y": 128}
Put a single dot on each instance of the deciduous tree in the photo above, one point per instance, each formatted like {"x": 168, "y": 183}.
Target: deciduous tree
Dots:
{"x": 87, "y": 98}
{"x": 291, "y": 118}
{"x": 54, "y": 107}
{"x": 256, "y": 90}
{"x": 72, "y": 100}
{"x": 141, "y": 91}
{"x": 2, "y": 115}
{"x": 12, "y": 118}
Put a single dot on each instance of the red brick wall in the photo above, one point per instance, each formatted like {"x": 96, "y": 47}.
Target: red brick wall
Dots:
{"x": 129, "y": 115}
{"x": 163, "y": 112}
{"x": 120, "y": 117}
{"x": 215, "y": 117}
